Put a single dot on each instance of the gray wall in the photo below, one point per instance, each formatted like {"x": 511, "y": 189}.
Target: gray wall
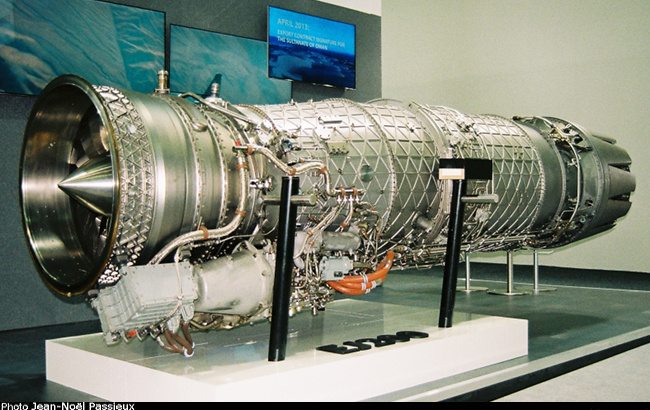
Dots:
{"x": 24, "y": 299}
{"x": 584, "y": 61}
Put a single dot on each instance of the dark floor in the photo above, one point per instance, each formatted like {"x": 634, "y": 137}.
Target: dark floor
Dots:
{"x": 593, "y": 315}
{"x": 589, "y": 317}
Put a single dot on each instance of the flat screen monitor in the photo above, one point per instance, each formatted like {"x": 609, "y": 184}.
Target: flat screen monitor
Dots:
{"x": 311, "y": 49}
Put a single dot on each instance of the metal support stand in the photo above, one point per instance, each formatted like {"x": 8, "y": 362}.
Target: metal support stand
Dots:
{"x": 283, "y": 270}
{"x": 536, "y": 283}
{"x": 536, "y": 288}
{"x": 510, "y": 290}
{"x": 468, "y": 288}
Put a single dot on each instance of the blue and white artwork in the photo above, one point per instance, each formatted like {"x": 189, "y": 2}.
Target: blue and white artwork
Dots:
{"x": 198, "y": 58}
{"x": 311, "y": 49}
{"x": 104, "y": 43}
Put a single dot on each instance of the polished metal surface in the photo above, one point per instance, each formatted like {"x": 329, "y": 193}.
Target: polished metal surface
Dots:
{"x": 70, "y": 242}
{"x": 113, "y": 178}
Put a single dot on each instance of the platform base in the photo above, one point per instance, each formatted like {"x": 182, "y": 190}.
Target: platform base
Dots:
{"x": 470, "y": 289}
{"x": 233, "y": 366}
{"x": 511, "y": 292}
{"x": 467, "y": 287}
{"x": 534, "y": 290}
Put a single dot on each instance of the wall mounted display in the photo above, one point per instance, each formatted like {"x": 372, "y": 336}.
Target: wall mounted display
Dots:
{"x": 107, "y": 43}
{"x": 311, "y": 49}
{"x": 199, "y": 58}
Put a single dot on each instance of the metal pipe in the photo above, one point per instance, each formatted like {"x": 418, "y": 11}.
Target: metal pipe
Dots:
{"x": 536, "y": 270}
{"x": 511, "y": 270}
{"x": 510, "y": 288}
{"x": 468, "y": 287}
{"x": 201, "y": 235}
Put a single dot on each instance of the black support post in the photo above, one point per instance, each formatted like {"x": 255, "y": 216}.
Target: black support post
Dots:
{"x": 458, "y": 170}
{"x": 283, "y": 270}
{"x": 452, "y": 256}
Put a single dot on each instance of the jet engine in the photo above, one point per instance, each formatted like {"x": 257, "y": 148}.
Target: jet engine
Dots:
{"x": 163, "y": 208}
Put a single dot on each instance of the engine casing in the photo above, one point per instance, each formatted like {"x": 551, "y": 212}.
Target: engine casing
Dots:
{"x": 112, "y": 179}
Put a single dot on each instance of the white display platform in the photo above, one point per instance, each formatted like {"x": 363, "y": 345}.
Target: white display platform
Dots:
{"x": 232, "y": 365}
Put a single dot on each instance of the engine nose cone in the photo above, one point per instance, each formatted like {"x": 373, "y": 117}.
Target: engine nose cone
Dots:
{"x": 92, "y": 185}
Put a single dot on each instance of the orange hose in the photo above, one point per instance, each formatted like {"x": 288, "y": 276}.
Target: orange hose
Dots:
{"x": 362, "y": 285}
{"x": 379, "y": 273}
{"x": 348, "y": 291}
{"x": 359, "y": 285}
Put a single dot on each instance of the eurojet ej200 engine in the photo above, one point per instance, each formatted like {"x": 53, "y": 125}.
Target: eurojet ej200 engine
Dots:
{"x": 163, "y": 208}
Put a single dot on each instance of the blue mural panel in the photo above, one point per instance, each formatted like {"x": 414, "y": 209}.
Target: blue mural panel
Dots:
{"x": 105, "y": 43}
{"x": 198, "y": 58}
